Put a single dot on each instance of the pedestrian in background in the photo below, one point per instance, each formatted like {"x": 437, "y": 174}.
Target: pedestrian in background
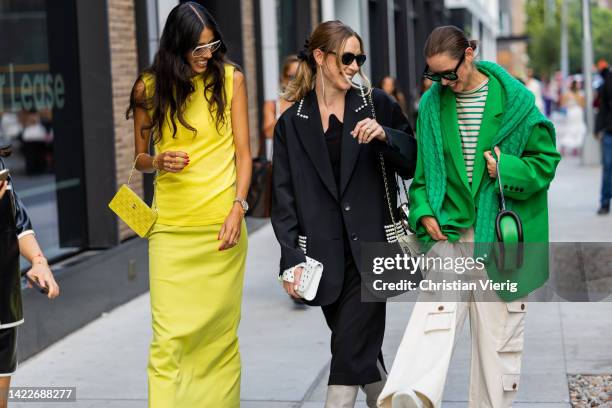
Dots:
{"x": 329, "y": 195}
{"x": 419, "y": 92}
{"x": 16, "y": 238}
{"x": 389, "y": 85}
{"x": 192, "y": 103}
{"x": 574, "y": 129}
{"x": 535, "y": 86}
{"x": 603, "y": 131}
{"x": 273, "y": 109}
{"x": 471, "y": 107}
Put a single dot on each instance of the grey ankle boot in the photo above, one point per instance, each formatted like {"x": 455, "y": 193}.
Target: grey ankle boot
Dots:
{"x": 341, "y": 396}
{"x": 373, "y": 390}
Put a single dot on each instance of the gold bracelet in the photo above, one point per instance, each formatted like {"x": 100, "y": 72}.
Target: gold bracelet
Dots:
{"x": 155, "y": 163}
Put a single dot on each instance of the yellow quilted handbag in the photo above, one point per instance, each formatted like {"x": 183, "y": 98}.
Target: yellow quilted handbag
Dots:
{"x": 132, "y": 210}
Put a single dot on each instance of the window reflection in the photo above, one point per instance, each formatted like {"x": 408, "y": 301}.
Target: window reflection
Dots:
{"x": 29, "y": 95}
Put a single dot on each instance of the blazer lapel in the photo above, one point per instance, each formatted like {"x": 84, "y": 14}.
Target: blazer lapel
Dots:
{"x": 450, "y": 133}
{"x": 356, "y": 108}
{"x": 307, "y": 123}
{"x": 491, "y": 122}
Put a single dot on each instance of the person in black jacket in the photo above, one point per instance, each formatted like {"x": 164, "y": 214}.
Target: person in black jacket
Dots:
{"x": 329, "y": 196}
{"x": 16, "y": 238}
{"x": 603, "y": 130}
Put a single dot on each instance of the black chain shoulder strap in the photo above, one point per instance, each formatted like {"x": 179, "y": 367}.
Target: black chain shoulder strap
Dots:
{"x": 384, "y": 172}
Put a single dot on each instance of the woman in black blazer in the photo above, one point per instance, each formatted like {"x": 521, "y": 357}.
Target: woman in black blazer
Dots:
{"x": 329, "y": 196}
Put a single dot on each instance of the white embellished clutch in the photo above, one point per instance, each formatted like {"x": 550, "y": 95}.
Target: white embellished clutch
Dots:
{"x": 309, "y": 281}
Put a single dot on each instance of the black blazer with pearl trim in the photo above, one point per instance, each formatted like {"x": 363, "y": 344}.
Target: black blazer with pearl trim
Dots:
{"x": 309, "y": 211}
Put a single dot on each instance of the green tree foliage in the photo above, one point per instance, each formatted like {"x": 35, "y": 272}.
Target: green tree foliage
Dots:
{"x": 602, "y": 33}
{"x": 544, "y": 31}
{"x": 544, "y": 37}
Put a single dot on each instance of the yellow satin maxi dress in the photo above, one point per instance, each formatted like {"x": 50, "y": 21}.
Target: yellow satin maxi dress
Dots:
{"x": 196, "y": 290}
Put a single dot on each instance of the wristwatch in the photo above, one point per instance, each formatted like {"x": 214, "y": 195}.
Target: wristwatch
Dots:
{"x": 243, "y": 204}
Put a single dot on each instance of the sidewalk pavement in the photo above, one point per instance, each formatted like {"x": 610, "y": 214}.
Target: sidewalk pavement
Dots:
{"x": 285, "y": 352}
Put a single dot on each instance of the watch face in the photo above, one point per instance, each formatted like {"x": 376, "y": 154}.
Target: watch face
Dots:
{"x": 243, "y": 203}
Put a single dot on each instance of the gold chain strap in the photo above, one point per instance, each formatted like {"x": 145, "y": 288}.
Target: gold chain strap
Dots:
{"x": 154, "y": 203}
{"x": 134, "y": 168}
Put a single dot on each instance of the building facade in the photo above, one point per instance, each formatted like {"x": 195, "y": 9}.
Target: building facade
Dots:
{"x": 65, "y": 76}
{"x": 394, "y": 33}
{"x": 65, "y": 81}
{"x": 480, "y": 19}
{"x": 512, "y": 39}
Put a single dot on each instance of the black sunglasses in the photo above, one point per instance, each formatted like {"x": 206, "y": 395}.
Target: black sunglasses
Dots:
{"x": 448, "y": 75}
{"x": 348, "y": 58}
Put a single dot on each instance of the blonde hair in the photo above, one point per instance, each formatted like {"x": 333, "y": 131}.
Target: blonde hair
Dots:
{"x": 290, "y": 59}
{"x": 329, "y": 36}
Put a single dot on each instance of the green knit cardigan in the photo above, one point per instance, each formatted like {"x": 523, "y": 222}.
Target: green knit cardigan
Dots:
{"x": 519, "y": 118}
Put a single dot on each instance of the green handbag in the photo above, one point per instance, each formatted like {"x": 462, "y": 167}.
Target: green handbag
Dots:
{"x": 509, "y": 249}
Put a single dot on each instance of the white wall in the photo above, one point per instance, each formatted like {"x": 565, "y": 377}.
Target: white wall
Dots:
{"x": 154, "y": 28}
{"x": 487, "y": 13}
{"x": 349, "y": 12}
{"x": 354, "y": 13}
{"x": 269, "y": 39}
{"x": 157, "y": 13}
{"x": 163, "y": 9}
{"x": 328, "y": 11}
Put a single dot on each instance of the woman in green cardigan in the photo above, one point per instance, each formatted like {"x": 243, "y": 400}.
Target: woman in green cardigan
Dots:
{"x": 475, "y": 119}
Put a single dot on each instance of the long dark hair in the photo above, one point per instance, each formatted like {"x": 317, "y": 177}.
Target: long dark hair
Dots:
{"x": 173, "y": 73}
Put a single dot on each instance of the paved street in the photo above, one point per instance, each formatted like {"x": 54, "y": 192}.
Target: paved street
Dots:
{"x": 285, "y": 352}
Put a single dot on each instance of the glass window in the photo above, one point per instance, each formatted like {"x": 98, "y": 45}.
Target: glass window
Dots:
{"x": 31, "y": 97}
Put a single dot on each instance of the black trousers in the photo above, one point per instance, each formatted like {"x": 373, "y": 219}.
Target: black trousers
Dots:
{"x": 357, "y": 331}
{"x": 8, "y": 351}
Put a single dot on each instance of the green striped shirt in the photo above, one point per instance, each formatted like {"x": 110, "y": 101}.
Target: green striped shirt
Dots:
{"x": 470, "y": 108}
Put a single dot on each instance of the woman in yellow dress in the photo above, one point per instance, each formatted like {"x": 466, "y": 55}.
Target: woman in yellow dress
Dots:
{"x": 192, "y": 102}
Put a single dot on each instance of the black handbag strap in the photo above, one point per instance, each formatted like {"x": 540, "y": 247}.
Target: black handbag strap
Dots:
{"x": 384, "y": 174}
